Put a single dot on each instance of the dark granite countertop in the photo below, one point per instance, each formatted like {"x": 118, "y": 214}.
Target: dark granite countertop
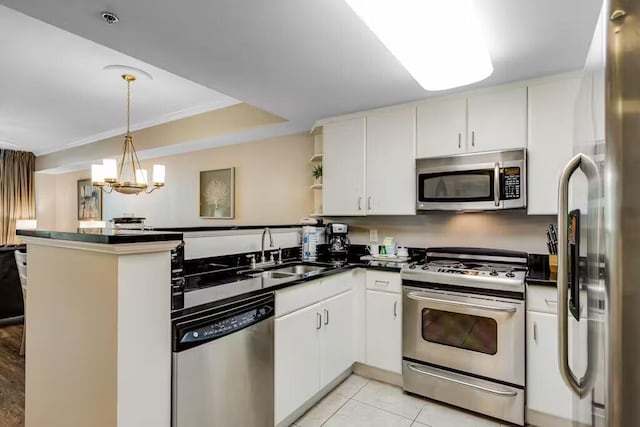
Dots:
{"x": 104, "y": 235}
{"x": 215, "y": 281}
{"x": 237, "y": 286}
{"x": 539, "y": 272}
{"x": 232, "y": 286}
{"x": 231, "y": 227}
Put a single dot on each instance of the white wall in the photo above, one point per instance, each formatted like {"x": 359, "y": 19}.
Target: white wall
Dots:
{"x": 207, "y": 244}
{"x": 513, "y": 230}
{"x": 46, "y": 203}
{"x": 271, "y": 187}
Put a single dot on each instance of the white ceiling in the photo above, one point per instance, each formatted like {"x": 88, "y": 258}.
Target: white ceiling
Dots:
{"x": 305, "y": 60}
{"x": 55, "y": 93}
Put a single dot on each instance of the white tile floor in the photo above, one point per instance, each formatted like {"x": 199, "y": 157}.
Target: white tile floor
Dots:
{"x": 360, "y": 402}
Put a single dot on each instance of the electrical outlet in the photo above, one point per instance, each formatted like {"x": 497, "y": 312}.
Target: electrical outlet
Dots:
{"x": 373, "y": 235}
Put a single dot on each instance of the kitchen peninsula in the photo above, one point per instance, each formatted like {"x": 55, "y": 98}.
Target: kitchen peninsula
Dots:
{"x": 99, "y": 337}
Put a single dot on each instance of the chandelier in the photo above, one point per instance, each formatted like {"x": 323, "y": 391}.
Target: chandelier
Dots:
{"x": 129, "y": 178}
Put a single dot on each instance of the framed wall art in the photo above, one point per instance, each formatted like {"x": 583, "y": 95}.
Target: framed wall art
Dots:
{"x": 217, "y": 193}
{"x": 89, "y": 201}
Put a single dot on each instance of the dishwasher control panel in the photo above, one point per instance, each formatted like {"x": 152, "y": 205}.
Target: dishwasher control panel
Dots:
{"x": 226, "y": 325}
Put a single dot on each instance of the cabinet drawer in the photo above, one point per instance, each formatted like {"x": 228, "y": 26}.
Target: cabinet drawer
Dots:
{"x": 544, "y": 299}
{"x": 384, "y": 281}
{"x": 306, "y": 294}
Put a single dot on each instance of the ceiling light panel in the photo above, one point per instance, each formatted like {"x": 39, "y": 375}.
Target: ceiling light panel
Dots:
{"x": 438, "y": 42}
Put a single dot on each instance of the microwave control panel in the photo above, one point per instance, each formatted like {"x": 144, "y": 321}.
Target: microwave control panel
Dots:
{"x": 510, "y": 183}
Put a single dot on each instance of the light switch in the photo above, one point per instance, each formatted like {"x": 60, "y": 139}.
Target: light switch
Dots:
{"x": 373, "y": 235}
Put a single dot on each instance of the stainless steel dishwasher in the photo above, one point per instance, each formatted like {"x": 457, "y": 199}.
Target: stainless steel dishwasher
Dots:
{"x": 223, "y": 366}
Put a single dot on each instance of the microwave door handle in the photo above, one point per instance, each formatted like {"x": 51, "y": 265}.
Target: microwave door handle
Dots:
{"x": 583, "y": 385}
{"x": 496, "y": 184}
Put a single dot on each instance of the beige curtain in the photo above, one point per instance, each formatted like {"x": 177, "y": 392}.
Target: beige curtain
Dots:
{"x": 17, "y": 191}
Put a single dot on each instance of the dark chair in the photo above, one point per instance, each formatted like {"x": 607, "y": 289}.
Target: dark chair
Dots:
{"x": 11, "y": 304}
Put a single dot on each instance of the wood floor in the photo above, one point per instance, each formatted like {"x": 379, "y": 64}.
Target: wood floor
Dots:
{"x": 11, "y": 377}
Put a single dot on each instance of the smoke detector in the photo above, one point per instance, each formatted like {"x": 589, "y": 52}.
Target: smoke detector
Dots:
{"x": 109, "y": 17}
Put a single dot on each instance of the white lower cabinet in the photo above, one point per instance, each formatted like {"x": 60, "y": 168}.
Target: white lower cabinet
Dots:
{"x": 322, "y": 327}
{"x": 546, "y": 392}
{"x": 297, "y": 359}
{"x": 384, "y": 330}
{"x": 336, "y": 337}
{"x": 313, "y": 346}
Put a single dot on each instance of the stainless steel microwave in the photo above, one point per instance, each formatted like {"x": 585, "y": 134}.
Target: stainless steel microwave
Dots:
{"x": 480, "y": 181}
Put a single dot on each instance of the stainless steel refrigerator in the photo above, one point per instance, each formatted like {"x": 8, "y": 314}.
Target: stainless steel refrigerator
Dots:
{"x": 599, "y": 226}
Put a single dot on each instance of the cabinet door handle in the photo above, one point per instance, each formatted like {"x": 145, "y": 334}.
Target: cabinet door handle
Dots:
{"x": 369, "y": 202}
{"x": 550, "y": 301}
{"x": 319, "y": 317}
{"x": 459, "y": 140}
{"x": 535, "y": 332}
{"x": 326, "y": 316}
{"x": 381, "y": 283}
{"x": 360, "y": 203}
{"x": 395, "y": 309}
{"x": 473, "y": 138}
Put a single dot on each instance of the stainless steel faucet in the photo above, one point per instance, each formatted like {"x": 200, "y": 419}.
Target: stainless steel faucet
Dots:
{"x": 266, "y": 230}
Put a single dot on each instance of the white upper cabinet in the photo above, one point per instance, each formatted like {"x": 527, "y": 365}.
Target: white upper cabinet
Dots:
{"x": 485, "y": 121}
{"x": 497, "y": 119}
{"x": 369, "y": 164}
{"x": 344, "y": 167}
{"x": 442, "y": 127}
{"x": 551, "y": 138}
{"x": 369, "y": 160}
{"x": 390, "y": 184}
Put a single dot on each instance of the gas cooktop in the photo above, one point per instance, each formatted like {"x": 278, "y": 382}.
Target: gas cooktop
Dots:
{"x": 471, "y": 268}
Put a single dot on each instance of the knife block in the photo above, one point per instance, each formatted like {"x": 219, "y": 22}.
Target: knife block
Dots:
{"x": 553, "y": 267}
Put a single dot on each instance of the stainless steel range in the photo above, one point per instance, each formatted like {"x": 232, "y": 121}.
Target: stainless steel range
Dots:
{"x": 464, "y": 330}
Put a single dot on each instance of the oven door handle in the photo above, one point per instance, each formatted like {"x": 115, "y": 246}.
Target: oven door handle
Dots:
{"x": 416, "y": 296}
{"x": 504, "y": 393}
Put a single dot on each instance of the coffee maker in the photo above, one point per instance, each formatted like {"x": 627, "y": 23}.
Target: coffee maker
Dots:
{"x": 338, "y": 241}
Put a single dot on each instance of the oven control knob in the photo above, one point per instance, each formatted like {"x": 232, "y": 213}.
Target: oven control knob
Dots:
{"x": 510, "y": 274}
{"x": 493, "y": 273}
{"x": 412, "y": 267}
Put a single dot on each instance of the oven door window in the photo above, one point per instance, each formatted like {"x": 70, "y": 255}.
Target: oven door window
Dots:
{"x": 462, "y": 186}
{"x": 475, "y": 333}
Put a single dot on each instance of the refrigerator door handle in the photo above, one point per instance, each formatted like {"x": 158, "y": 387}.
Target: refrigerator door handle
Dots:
{"x": 580, "y": 386}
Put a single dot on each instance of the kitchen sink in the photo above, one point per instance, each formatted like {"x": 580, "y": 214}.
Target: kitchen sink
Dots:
{"x": 274, "y": 274}
{"x": 285, "y": 272}
{"x": 300, "y": 269}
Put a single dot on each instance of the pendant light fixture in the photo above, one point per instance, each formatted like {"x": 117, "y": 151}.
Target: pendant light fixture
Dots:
{"x": 129, "y": 178}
